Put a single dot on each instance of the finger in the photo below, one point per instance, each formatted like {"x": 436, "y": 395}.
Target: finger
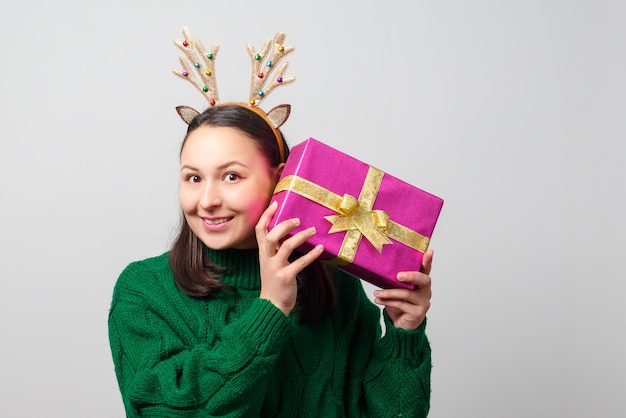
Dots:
{"x": 273, "y": 239}
{"x": 406, "y": 307}
{"x": 415, "y": 301}
{"x": 398, "y": 295}
{"x": 261, "y": 227}
{"x": 270, "y": 240}
{"x": 306, "y": 259}
{"x": 266, "y": 216}
{"x": 417, "y": 278}
{"x": 422, "y": 290}
{"x": 282, "y": 229}
{"x": 296, "y": 240}
{"x": 427, "y": 261}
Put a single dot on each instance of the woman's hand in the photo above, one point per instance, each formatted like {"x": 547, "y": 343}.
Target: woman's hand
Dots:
{"x": 407, "y": 308}
{"x": 278, "y": 275}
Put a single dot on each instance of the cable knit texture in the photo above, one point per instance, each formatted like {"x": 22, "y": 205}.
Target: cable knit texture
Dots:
{"x": 235, "y": 355}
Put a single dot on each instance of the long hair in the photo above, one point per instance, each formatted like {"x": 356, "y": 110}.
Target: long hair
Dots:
{"x": 196, "y": 275}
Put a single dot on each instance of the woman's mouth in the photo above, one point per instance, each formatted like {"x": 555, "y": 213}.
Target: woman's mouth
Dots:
{"x": 216, "y": 224}
{"x": 216, "y": 221}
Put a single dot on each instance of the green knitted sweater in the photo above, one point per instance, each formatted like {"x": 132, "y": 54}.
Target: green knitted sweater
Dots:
{"x": 235, "y": 355}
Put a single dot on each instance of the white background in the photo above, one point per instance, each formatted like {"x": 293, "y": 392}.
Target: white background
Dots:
{"x": 512, "y": 111}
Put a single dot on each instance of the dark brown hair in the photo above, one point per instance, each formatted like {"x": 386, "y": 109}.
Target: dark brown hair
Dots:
{"x": 196, "y": 275}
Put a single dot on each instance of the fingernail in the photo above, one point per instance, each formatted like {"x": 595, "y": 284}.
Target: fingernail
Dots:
{"x": 296, "y": 221}
{"x": 401, "y": 276}
{"x": 312, "y": 230}
{"x": 378, "y": 293}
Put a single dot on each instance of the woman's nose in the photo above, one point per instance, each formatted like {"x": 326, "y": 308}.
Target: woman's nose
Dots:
{"x": 210, "y": 197}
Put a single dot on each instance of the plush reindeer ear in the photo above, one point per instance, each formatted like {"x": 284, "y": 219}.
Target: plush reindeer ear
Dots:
{"x": 187, "y": 113}
{"x": 279, "y": 115}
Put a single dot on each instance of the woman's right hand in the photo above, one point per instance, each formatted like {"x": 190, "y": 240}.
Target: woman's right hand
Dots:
{"x": 278, "y": 275}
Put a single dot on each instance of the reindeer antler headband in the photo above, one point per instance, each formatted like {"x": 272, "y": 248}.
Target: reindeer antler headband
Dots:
{"x": 267, "y": 75}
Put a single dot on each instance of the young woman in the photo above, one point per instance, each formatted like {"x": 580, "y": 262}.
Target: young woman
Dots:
{"x": 233, "y": 322}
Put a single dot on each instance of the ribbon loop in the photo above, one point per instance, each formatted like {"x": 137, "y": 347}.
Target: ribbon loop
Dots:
{"x": 348, "y": 204}
{"x": 380, "y": 219}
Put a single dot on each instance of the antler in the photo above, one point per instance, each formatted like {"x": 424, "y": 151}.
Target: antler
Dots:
{"x": 263, "y": 75}
{"x": 198, "y": 66}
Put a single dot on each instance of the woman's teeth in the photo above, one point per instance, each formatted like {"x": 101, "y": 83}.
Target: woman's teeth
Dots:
{"x": 215, "y": 221}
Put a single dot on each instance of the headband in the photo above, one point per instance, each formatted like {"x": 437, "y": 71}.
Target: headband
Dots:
{"x": 267, "y": 74}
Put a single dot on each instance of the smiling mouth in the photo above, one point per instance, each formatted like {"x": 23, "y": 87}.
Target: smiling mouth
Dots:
{"x": 216, "y": 221}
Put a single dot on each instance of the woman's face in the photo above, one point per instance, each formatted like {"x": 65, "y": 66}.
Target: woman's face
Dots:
{"x": 225, "y": 185}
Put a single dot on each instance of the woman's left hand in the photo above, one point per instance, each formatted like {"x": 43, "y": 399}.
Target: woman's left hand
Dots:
{"x": 407, "y": 308}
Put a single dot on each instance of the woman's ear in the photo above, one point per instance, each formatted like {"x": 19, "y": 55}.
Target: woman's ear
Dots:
{"x": 279, "y": 171}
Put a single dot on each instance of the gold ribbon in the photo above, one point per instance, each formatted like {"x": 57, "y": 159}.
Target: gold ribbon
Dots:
{"x": 355, "y": 216}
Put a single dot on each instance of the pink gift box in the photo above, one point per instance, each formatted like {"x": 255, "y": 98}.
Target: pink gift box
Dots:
{"x": 314, "y": 185}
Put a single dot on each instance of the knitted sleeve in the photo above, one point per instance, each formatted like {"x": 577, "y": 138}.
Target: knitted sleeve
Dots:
{"x": 390, "y": 375}
{"x": 161, "y": 374}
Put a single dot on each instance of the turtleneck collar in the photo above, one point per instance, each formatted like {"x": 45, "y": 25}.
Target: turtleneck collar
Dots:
{"x": 243, "y": 267}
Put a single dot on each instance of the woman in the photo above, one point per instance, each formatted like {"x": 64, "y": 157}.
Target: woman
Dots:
{"x": 233, "y": 322}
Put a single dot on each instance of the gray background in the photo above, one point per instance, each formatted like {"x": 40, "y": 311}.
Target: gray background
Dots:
{"x": 512, "y": 111}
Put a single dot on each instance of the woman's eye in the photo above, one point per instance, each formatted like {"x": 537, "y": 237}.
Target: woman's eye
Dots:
{"x": 231, "y": 177}
{"x": 192, "y": 178}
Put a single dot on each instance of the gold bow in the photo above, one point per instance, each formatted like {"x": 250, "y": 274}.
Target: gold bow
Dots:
{"x": 355, "y": 216}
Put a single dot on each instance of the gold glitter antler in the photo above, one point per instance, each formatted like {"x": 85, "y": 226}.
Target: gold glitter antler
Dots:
{"x": 263, "y": 66}
{"x": 268, "y": 74}
{"x": 199, "y": 69}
